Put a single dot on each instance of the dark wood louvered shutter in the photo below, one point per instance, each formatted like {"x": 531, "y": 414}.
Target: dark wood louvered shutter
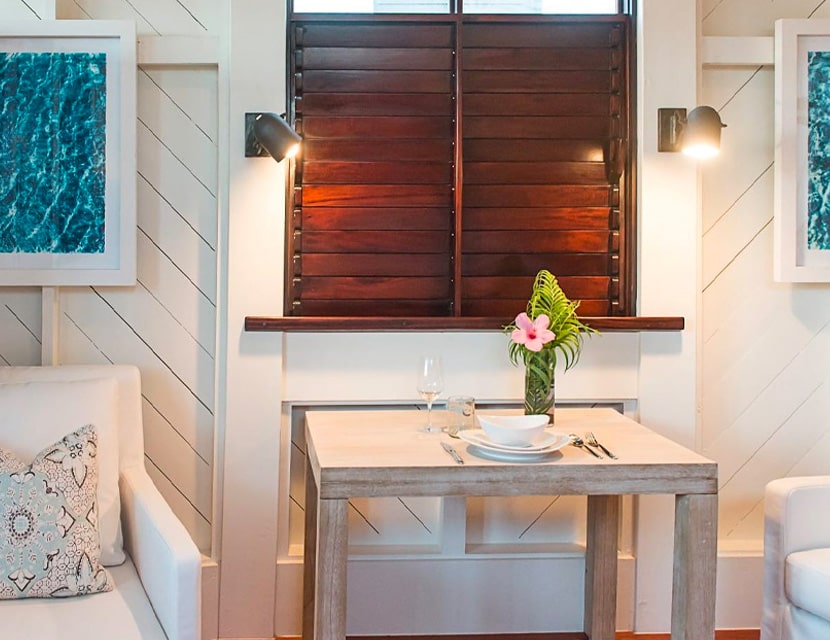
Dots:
{"x": 373, "y": 198}
{"x": 544, "y": 115}
{"x": 533, "y": 113}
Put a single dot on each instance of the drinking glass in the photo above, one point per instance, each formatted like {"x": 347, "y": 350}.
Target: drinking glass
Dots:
{"x": 430, "y": 385}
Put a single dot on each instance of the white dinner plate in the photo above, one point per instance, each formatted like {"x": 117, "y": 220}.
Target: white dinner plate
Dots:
{"x": 511, "y": 456}
{"x": 480, "y": 438}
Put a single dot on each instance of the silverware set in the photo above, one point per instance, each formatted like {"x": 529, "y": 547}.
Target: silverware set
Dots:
{"x": 590, "y": 444}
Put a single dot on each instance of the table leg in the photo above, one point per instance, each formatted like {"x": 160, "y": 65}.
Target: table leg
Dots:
{"x": 695, "y": 562}
{"x": 309, "y": 553}
{"x": 601, "y": 567}
{"x": 330, "y": 573}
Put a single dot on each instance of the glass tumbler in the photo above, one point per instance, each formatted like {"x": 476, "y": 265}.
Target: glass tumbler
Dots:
{"x": 462, "y": 414}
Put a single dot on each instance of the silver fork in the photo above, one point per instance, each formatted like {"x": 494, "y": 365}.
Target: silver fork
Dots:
{"x": 579, "y": 442}
{"x": 591, "y": 440}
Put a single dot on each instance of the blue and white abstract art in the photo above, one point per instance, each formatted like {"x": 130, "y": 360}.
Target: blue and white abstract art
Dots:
{"x": 818, "y": 150}
{"x": 52, "y": 152}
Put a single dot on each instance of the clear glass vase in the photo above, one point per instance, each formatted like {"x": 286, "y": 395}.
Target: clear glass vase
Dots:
{"x": 540, "y": 383}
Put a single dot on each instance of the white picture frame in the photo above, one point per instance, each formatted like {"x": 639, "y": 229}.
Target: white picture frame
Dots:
{"x": 68, "y": 171}
{"x": 801, "y": 253}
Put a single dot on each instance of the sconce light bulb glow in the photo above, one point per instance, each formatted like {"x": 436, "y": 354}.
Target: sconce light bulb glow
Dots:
{"x": 701, "y": 151}
{"x": 292, "y": 151}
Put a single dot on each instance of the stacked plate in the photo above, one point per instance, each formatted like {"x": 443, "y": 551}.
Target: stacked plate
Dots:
{"x": 539, "y": 449}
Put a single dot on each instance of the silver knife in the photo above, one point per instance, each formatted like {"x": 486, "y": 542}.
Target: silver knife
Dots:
{"x": 449, "y": 449}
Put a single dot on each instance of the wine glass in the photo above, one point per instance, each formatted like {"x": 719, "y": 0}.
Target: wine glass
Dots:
{"x": 430, "y": 385}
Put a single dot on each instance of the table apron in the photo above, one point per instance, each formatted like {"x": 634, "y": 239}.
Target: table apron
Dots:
{"x": 368, "y": 487}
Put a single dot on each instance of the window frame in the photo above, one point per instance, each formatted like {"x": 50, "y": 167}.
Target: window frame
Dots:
{"x": 627, "y": 322}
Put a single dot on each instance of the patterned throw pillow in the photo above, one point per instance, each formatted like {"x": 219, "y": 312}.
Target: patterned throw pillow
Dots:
{"x": 49, "y": 544}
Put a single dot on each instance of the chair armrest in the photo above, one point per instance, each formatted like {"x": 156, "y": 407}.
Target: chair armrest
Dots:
{"x": 796, "y": 518}
{"x": 165, "y": 557}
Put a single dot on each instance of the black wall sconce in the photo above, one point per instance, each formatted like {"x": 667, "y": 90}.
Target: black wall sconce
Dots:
{"x": 696, "y": 134}
{"x": 269, "y": 134}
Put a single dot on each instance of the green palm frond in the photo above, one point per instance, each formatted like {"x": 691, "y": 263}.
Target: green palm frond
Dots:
{"x": 548, "y": 298}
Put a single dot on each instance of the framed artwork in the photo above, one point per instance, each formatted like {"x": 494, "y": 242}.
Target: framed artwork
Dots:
{"x": 802, "y": 151}
{"x": 67, "y": 153}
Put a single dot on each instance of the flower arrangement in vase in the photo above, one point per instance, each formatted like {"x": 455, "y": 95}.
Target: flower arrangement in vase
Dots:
{"x": 548, "y": 328}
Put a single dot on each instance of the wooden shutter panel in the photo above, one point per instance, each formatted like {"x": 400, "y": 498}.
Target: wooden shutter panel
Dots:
{"x": 373, "y": 198}
{"x": 544, "y": 111}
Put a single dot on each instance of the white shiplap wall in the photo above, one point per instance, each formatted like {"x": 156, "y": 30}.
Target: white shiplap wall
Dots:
{"x": 166, "y": 324}
{"x": 765, "y": 345}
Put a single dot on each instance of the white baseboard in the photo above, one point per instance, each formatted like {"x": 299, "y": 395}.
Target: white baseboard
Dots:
{"x": 498, "y": 594}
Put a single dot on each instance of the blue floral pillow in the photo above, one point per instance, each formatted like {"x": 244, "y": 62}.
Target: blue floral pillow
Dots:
{"x": 49, "y": 544}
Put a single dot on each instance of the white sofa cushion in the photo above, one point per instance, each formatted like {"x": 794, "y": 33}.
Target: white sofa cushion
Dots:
{"x": 58, "y": 408}
{"x": 121, "y": 614}
{"x": 49, "y": 545}
{"x": 808, "y": 581}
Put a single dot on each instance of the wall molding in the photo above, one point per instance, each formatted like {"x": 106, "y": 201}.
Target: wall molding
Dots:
{"x": 733, "y": 51}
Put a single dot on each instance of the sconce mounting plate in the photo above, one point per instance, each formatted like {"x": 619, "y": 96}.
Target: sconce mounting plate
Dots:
{"x": 253, "y": 149}
{"x": 670, "y": 123}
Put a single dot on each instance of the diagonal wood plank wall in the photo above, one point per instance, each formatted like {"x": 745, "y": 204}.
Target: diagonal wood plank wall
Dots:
{"x": 166, "y": 324}
{"x": 765, "y": 410}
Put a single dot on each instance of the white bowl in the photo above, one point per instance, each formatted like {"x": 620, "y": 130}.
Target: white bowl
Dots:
{"x": 515, "y": 431}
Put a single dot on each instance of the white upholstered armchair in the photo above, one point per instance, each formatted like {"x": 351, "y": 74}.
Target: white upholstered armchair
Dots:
{"x": 153, "y": 566}
{"x": 797, "y": 559}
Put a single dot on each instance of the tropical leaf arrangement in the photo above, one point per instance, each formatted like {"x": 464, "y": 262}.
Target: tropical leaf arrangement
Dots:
{"x": 549, "y": 326}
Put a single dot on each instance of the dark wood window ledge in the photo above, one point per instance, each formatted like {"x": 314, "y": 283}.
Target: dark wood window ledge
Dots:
{"x": 607, "y": 324}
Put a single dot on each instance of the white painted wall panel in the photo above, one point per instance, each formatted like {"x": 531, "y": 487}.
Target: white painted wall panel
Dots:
{"x": 103, "y": 10}
{"x": 20, "y": 328}
{"x": 17, "y": 10}
{"x": 747, "y": 149}
{"x": 152, "y": 17}
{"x": 177, "y": 184}
{"x": 170, "y": 18}
{"x": 196, "y": 525}
{"x": 176, "y": 239}
{"x": 765, "y": 408}
{"x": 192, "y": 91}
{"x": 182, "y": 464}
{"x": 754, "y": 18}
{"x": 90, "y": 323}
{"x": 182, "y": 300}
{"x": 176, "y": 130}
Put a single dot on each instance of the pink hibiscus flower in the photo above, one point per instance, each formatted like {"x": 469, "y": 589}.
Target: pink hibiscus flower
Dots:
{"x": 532, "y": 333}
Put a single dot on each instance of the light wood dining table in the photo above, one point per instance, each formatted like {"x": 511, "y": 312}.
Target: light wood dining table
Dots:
{"x": 382, "y": 453}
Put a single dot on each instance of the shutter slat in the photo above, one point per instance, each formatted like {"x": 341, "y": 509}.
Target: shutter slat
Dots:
{"x": 529, "y": 264}
{"x": 431, "y": 149}
{"x": 578, "y": 288}
{"x": 537, "y": 104}
{"x": 413, "y": 242}
{"x": 542, "y": 81}
{"x": 540, "y": 150}
{"x": 548, "y": 35}
{"x": 368, "y": 288}
{"x": 478, "y": 218}
{"x": 534, "y": 172}
{"x": 534, "y": 195}
{"x": 373, "y": 264}
{"x": 402, "y": 308}
{"x": 377, "y": 173}
{"x": 509, "y": 308}
{"x": 368, "y": 58}
{"x": 548, "y": 242}
{"x": 378, "y": 127}
{"x": 537, "y": 58}
{"x": 377, "y": 81}
{"x": 388, "y": 35}
{"x": 378, "y": 195}
{"x": 377, "y": 104}
{"x": 355, "y": 218}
